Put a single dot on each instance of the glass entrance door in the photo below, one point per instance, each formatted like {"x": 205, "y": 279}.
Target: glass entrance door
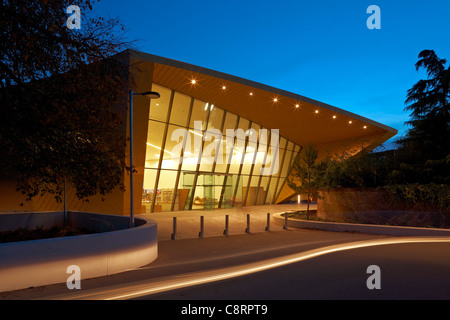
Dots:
{"x": 212, "y": 191}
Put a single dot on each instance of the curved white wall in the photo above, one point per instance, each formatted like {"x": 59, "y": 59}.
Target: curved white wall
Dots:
{"x": 41, "y": 262}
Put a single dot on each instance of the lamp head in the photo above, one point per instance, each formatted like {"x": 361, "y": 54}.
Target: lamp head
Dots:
{"x": 150, "y": 94}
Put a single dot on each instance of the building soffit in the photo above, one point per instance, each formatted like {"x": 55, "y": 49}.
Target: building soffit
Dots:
{"x": 298, "y": 118}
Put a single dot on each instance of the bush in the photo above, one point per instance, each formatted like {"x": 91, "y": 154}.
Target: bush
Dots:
{"x": 433, "y": 196}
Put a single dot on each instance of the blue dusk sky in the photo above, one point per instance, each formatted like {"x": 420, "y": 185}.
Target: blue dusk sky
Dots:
{"x": 320, "y": 49}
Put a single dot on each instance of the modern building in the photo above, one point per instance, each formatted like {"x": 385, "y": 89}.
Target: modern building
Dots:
{"x": 189, "y": 151}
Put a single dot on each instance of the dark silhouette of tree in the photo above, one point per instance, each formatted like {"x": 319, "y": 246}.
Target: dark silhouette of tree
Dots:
{"x": 424, "y": 151}
{"x": 59, "y": 92}
{"x": 306, "y": 174}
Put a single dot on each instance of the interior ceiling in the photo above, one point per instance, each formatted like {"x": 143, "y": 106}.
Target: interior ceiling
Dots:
{"x": 299, "y": 124}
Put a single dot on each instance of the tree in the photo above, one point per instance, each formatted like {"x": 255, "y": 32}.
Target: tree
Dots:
{"x": 424, "y": 151}
{"x": 306, "y": 173}
{"x": 59, "y": 92}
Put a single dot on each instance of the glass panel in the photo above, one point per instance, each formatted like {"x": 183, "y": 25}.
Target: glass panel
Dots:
{"x": 271, "y": 160}
{"x": 262, "y": 190}
{"x": 271, "y": 192}
{"x": 244, "y": 125}
{"x": 199, "y": 197}
{"x": 164, "y": 192}
{"x": 242, "y": 188}
{"x": 230, "y": 122}
{"x": 215, "y": 118}
{"x": 282, "y": 151}
{"x": 227, "y": 191}
{"x": 251, "y": 150}
{"x": 252, "y": 191}
{"x": 199, "y": 113}
{"x": 286, "y": 163}
{"x": 185, "y": 189}
{"x": 159, "y": 107}
{"x": 174, "y": 145}
{"x": 236, "y": 158}
{"x": 264, "y": 136}
{"x": 209, "y": 200}
{"x": 210, "y": 149}
{"x": 154, "y": 141}
{"x": 192, "y": 149}
{"x": 283, "y": 143}
{"x": 221, "y": 160}
{"x": 149, "y": 184}
{"x": 180, "y": 109}
{"x": 280, "y": 186}
{"x": 248, "y": 159}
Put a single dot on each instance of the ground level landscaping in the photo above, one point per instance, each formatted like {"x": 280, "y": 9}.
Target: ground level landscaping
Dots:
{"x": 419, "y": 219}
{"x": 23, "y": 234}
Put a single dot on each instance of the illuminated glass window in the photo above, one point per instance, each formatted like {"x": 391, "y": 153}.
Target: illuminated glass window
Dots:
{"x": 180, "y": 109}
{"x": 159, "y": 107}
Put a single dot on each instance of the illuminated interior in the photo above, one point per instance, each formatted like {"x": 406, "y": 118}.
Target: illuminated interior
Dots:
{"x": 188, "y": 154}
{"x": 223, "y": 175}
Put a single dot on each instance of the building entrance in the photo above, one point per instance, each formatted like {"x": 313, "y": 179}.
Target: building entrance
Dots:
{"x": 208, "y": 191}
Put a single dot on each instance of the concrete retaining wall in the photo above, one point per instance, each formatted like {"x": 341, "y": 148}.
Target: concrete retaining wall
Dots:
{"x": 361, "y": 228}
{"x": 42, "y": 262}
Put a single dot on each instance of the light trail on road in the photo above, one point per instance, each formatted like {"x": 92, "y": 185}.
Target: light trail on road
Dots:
{"x": 154, "y": 286}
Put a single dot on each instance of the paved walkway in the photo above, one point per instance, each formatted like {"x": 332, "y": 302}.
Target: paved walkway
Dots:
{"x": 188, "y": 222}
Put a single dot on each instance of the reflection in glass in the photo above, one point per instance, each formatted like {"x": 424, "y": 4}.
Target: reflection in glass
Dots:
{"x": 159, "y": 107}
{"x": 154, "y": 142}
{"x": 180, "y": 109}
{"x": 224, "y": 169}
{"x": 165, "y": 190}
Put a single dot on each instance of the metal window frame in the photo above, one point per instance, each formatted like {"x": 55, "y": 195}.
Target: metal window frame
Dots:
{"x": 161, "y": 154}
{"x": 177, "y": 179}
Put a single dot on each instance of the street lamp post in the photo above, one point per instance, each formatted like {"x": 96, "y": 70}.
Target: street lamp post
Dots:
{"x": 151, "y": 95}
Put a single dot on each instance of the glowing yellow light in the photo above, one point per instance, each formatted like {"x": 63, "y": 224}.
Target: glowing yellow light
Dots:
{"x": 350, "y": 122}
{"x": 334, "y": 117}
{"x": 193, "y": 81}
{"x": 317, "y": 111}
{"x": 223, "y": 87}
{"x": 365, "y": 127}
{"x": 152, "y": 145}
{"x": 251, "y": 93}
{"x": 275, "y": 100}
{"x": 297, "y": 105}
{"x": 200, "y": 135}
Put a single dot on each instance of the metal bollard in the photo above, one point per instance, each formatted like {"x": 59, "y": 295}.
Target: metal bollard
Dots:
{"x": 247, "y": 230}
{"x": 174, "y": 234}
{"x": 225, "y": 232}
{"x": 285, "y": 220}
{"x": 202, "y": 224}
{"x": 268, "y": 222}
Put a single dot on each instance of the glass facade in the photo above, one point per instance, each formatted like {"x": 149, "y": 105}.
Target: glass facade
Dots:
{"x": 199, "y": 156}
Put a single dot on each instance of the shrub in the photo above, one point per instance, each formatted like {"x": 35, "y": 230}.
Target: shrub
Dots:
{"x": 432, "y": 196}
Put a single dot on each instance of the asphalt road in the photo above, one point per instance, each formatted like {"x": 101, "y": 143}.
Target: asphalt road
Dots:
{"x": 289, "y": 264}
{"x": 406, "y": 272}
